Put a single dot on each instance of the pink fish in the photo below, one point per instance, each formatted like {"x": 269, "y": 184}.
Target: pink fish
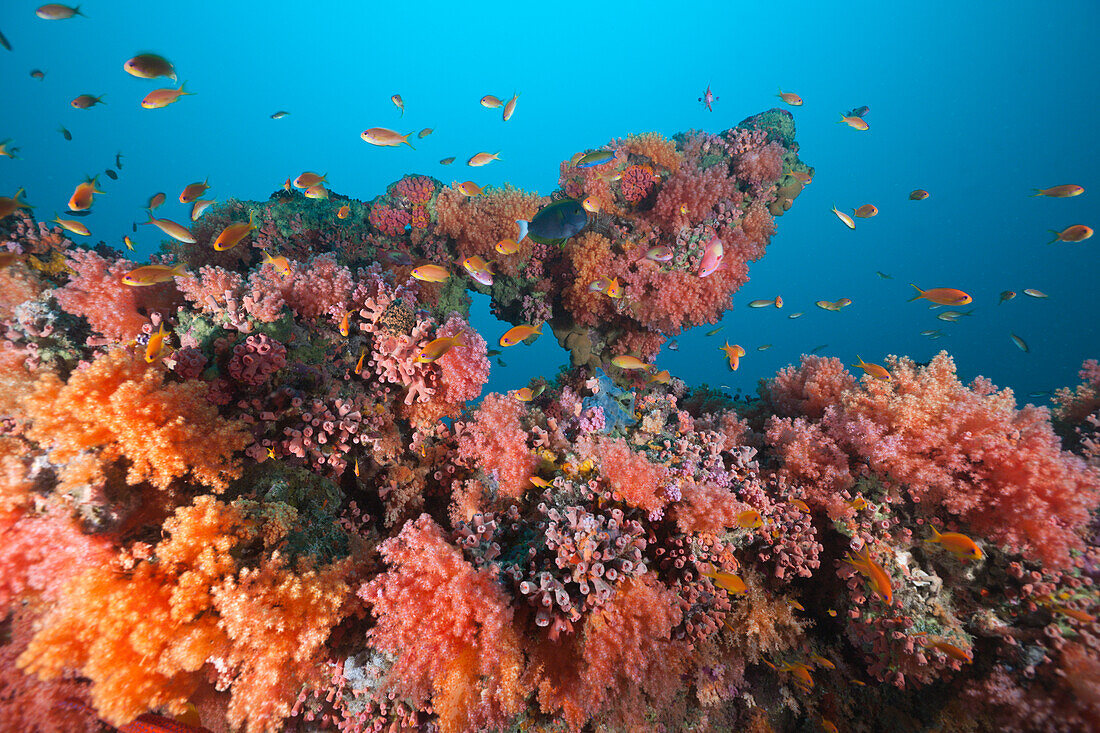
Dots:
{"x": 712, "y": 257}
{"x": 708, "y": 99}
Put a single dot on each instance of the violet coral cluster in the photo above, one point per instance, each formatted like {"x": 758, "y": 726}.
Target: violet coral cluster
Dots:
{"x": 286, "y": 519}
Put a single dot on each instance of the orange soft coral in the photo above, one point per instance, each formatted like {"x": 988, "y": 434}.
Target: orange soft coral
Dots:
{"x": 144, "y": 638}
{"x": 654, "y": 146}
{"x": 477, "y": 223}
{"x": 122, "y": 408}
{"x": 450, "y": 627}
{"x": 278, "y": 621}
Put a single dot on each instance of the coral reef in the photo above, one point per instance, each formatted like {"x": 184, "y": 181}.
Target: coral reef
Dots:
{"x": 294, "y": 515}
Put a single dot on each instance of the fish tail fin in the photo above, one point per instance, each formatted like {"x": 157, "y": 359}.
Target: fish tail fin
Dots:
{"x": 406, "y": 140}
{"x": 99, "y": 99}
{"x": 1057, "y": 236}
{"x": 459, "y": 339}
{"x": 523, "y": 224}
{"x": 918, "y": 296}
{"x": 860, "y": 360}
{"x": 76, "y": 11}
{"x": 935, "y": 535}
{"x": 183, "y": 88}
{"x": 1038, "y": 192}
{"x": 180, "y": 269}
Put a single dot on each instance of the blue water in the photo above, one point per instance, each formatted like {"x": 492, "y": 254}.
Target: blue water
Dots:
{"x": 975, "y": 104}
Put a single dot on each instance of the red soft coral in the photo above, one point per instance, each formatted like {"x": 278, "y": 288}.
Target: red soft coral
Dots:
{"x": 496, "y": 440}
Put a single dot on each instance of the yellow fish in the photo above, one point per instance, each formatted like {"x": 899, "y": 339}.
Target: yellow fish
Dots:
{"x": 193, "y": 191}
{"x": 232, "y": 235}
{"x": 874, "y": 370}
{"x": 734, "y": 353}
{"x": 73, "y": 226}
{"x": 469, "y": 188}
{"x": 625, "y": 361}
{"x": 431, "y": 273}
{"x": 516, "y": 334}
{"x": 510, "y": 108}
{"x": 844, "y": 218}
{"x": 438, "y": 347}
{"x": 153, "y": 274}
{"x": 156, "y": 343}
{"x": 307, "y": 179}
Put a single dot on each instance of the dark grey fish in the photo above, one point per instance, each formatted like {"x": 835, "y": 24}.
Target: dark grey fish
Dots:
{"x": 118, "y": 161}
{"x": 134, "y": 227}
{"x": 555, "y": 223}
{"x": 501, "y": 362}
{"x": 111, "y": 174}
{"x": 38, "y": 74}
{"x": 279, "y": 115}
{"x": 816, "y": 349}
{"x": 86, "y": 212}
{"x": 4, "y": 42}
{"x": 68, "y": 135}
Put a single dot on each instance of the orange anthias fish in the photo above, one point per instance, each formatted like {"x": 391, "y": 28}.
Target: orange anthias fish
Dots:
{"x": 193, "y": 191}
{"x": 526, "y": 394}
{"x": 942, "y": 296}
{"x": 345, "y": 327}
{"x": 343, "y": 212}
{"x": 966, "y": 656}
{"x": 726, "y": 581}
{"x": 156, "y": 343}
{"x": 918, "y": 194}
{"x": 801, "y": 176}
{"x": 57, "y": 11}
{"x": 790, "y": 98}
{"x": 880, "y": 580}
{"x": 713, "y": 254}
{"x": 630, "y": 363}
{"x": 491, "y": 102}
{"x": 844, "y": 218}
{"x": 86, "y": 101}
{"x": 614, "y": 289}
{"x": 307, "y": 179}
{"x": 801, "y": 672}
{"x": 507, "y": 247}
{"x": 384, "y": 138}
{"x": 159, "y": 98}
{"x": 153, "y": 274}
{"x": 510, "y": 108}
{"x": 359, "y": 370}
{"x": 515, "y": 334}
{"x": 591, "y": 205}
{"x": 232, "y": 235}
{"x": 1075, "y": 233}
{"x": 734, "y": 353}
{"x": 399, "y": 103}
{"x": 469, "y": 188}
{"x": 8, "y": 206}
{"x": 661, "y": 377}
{"x": 431, "y": 273}
{"x": 438, "y": 347}
{"x": 750, "y": 519}
{"x": 1060, "y": 192}
{"x": 316, "y": 192}
{"x": 957, "y": 544}
{"x": 856, "y": 123}
{"x": 481, "y": 159}
{"x": 155, "y": 200}
{"x": 71, "y": 225}
{"x": 176, "y": 231}
{"x": 81, "y": 200}
{"x": 876, "y": 371}
{"x": 478, "y": 269}
{"x": 128, "y": 242}
{"x": 279, "y": 262}
{"x": 799, "y": 504}
{"x": 866, "y": 211}
{"x": 540, "y": 482}
{"x": 199, "y": 207}
{"x": 149, "y": 66}
{"x": 834, "y": 306}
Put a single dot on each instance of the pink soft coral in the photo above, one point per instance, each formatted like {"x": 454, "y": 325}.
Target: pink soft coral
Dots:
{"x": 450, "y": 628}
{"x": 496, "y": 440}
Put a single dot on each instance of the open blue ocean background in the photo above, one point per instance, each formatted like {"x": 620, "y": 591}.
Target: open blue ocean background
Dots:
{"x": 977, "y": 103}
